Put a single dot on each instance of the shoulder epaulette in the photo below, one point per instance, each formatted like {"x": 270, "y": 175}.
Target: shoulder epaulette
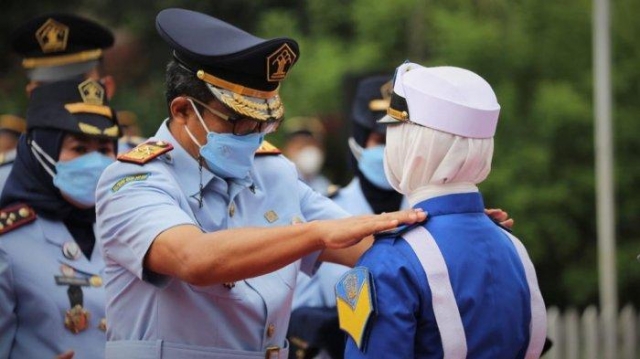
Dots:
{"x": 399, "y": 230}
{"x": 145, "y": 152}
{"x": 267, "y": 149}
{"x": 333, "y": 190}
{"x": 15, "y": 216}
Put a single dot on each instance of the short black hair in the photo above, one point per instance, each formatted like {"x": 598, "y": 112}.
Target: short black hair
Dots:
{"x": 181, "y": 81}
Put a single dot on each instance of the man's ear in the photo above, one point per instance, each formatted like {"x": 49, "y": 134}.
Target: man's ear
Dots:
{"x": 109, "y": 85}
{"x": 180, "y": 109}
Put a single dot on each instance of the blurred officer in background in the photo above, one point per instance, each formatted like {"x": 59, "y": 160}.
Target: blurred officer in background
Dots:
{"x": 195, "y": 223}
{"x": 51, "y": 294}
{"x": 304, "y": 146}
{"x": 458, "y": 285}
{"x": 58, "y": 46}
{"x": 11, "y": 127}
{"x": 130, "y": 131}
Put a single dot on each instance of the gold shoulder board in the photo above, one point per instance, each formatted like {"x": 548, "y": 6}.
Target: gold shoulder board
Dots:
{"x": 145, "y": 152}
{"x": 15, "y": 216}
{"x": 267, "y": 149}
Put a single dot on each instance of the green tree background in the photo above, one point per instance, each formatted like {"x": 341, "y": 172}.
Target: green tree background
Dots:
{"x": 536, "y": 54}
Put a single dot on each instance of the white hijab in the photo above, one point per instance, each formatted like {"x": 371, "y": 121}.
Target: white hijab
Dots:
{"x": 423, "y": 163}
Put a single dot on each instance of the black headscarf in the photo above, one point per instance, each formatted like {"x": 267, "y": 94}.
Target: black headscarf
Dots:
{"x": 30, "y": 183}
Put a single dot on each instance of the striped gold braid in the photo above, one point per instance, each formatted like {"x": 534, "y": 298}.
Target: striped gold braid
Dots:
{"x": 243, "y": 90}
{"x": 82, "y": 107}
{"x": 251, "y": 109}
{"x": 62, "y": 59}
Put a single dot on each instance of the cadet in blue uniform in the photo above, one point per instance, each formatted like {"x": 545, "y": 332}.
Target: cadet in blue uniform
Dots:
{"x": 51, "y": 295}
{"x": 458, "y": 285}
{"x": 201, "y": 257}
{"x": 11, "y": 127}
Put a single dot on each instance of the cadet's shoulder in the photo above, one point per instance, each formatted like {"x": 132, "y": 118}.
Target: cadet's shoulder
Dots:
{"x": 398, "y": 231}
{"x": 145, "y": 152}
{"x": 15, "y": 216}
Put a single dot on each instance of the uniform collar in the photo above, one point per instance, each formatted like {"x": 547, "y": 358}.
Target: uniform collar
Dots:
{"x": 453, "y": 204}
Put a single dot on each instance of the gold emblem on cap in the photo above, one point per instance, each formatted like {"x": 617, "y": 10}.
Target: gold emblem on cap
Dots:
{"x": 52, "y": 36}
{"x": 279, "y": 62}
{"x": 92, "y": 93}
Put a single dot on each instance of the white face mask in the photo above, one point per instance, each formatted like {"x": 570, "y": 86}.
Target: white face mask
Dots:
{"x": 309, "y": 161}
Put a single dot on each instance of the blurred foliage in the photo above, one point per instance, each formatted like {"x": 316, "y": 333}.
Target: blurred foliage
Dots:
{"x": 537, "y": 55}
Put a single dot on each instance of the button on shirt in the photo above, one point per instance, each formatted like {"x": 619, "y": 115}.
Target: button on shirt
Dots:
{"x": 143, "y": 306}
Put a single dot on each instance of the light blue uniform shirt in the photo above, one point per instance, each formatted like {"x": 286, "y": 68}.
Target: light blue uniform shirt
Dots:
{"x": 486, "y": 274}
{"x": 33, "y": 306}
{"x": 5, "y": 167}
{"x": 150, "y": 314}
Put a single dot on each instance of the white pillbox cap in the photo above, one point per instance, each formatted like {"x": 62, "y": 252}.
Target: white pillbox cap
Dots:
{"x": 448, "y": 99}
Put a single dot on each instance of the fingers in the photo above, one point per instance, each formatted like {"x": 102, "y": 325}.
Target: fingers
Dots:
{"x": 497, "y": 214}
{"x": 66, "y": 355}
{"x": 408, "y": 216}
{"x": 508, "y": 223}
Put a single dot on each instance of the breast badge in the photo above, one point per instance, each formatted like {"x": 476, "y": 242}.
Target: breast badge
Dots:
{"x": 355, "y": 297}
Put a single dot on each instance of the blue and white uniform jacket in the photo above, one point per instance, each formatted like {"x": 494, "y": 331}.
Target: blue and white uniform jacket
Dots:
{"x": 454, "y": 287}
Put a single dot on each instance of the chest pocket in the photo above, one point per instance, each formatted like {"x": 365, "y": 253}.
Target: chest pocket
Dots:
{"x": 234, "y": 291}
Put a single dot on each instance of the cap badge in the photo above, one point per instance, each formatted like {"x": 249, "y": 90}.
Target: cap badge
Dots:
{"x": 91, "y": 92}
{"x": 279, "y": 62}
{"x": 52, "y": 36}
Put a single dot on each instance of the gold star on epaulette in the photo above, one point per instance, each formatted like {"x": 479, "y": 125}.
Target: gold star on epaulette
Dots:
{"x": 145, "y": 152}
{"x": 333, "y": 190}
{"x": 267, "y": 149}
{"x": 15, "y": 216}
{"x": 356, "y": 304}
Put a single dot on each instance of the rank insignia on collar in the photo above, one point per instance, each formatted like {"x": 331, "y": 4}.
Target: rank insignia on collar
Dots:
{"x": 15, "y": 216}
{"x": 267, "y": 149}
{"x": 356, "y": 304}
{"x": 145, "y": 152}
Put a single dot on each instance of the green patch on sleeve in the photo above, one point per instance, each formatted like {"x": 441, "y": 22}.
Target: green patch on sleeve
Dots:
{"x": 132, "y": 178}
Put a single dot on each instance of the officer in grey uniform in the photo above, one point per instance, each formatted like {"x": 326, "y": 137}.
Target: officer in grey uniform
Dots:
{"x": 195, "y": 223}
{"x": 52, "y": 300}
{"x": 11, "y": 127}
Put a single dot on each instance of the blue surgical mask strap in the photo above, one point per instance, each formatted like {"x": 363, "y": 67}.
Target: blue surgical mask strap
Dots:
{"x": 41, "y": 156}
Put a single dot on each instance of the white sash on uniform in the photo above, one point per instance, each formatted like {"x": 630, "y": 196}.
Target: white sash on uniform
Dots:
{"x": 445, "y": 308}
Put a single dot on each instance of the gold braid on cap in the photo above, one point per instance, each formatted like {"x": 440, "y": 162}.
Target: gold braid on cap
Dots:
{"x": 273, "y": 108}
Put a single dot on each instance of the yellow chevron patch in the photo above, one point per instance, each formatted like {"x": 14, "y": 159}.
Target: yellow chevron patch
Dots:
{"x": 355, "y": 297}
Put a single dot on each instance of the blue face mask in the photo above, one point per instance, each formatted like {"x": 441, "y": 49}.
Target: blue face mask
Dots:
{"x": 227, "y": 155}
{"x": 371, "y": 164}
{"x": 78, "y": 178}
